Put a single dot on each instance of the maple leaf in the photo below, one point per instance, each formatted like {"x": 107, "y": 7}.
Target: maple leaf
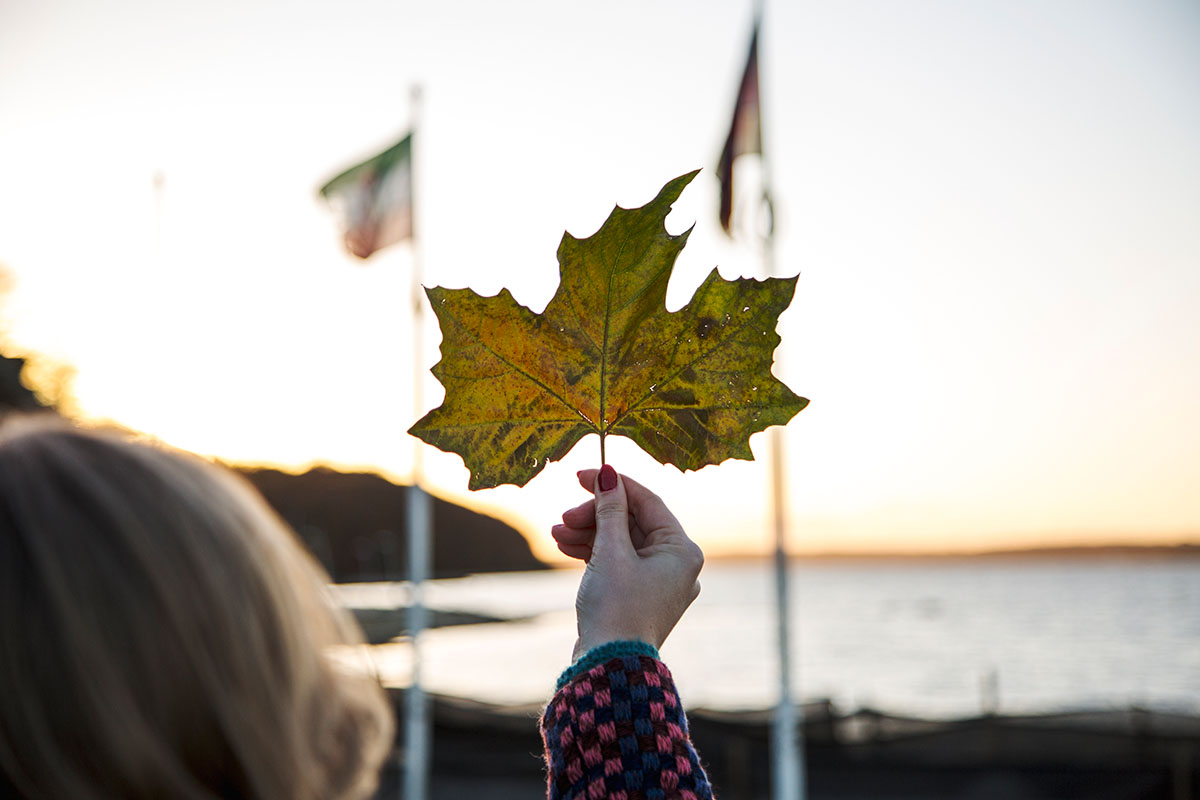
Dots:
{"x": 606, "y": 357}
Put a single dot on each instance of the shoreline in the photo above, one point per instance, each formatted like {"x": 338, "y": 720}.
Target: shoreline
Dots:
{"x": 1120, "y": 552}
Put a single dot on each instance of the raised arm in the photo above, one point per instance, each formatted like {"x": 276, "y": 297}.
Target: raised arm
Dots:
{"x": 615, "y": 727}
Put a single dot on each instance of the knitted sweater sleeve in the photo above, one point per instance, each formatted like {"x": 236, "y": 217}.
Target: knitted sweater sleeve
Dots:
{"x": 617, "y": 731}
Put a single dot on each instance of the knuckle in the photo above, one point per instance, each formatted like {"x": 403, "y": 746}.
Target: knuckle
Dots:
{"x": 610, "y": 512}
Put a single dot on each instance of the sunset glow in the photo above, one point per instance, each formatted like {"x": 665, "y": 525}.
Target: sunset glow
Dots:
{"x": 992, "y": 208}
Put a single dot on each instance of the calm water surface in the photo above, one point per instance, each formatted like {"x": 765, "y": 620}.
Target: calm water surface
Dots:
{"x": 932, "y": 638}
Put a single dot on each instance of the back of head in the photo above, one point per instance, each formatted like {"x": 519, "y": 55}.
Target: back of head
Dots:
{"x": 162, "y": 634}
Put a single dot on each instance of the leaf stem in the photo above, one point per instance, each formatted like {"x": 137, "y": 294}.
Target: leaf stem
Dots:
{"x": 602, "y": 462}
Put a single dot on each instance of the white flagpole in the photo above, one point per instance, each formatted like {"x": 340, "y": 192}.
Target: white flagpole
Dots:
{"x": 787, "y": 728}
{"x": 417, "y": 733}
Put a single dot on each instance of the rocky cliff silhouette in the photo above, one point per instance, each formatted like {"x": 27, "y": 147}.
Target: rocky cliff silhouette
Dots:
{"x": 14, "y": 394}
{"x": 355, "y": 524}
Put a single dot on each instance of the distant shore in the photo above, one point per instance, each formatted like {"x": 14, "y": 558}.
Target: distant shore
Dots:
{"x": 1113, "y": 552}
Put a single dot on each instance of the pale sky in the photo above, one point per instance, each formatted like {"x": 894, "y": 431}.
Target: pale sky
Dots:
{"x": 994, "y": 208}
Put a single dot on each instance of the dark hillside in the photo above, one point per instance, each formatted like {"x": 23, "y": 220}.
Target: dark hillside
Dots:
{"x": 14, "y": 394}
{"x": 355, "y": 524}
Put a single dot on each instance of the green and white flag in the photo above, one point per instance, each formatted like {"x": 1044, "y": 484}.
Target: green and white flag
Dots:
{"x": 374, "y": 200}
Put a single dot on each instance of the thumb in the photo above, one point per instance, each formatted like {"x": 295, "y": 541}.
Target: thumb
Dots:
{"x": 612, "y": 516}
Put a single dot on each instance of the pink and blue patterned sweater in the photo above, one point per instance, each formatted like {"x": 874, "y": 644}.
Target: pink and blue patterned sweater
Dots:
{"x": 615, "y": 730}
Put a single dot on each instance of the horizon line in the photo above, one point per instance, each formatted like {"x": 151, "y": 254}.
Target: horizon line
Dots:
{"x": 1189, "y": 549}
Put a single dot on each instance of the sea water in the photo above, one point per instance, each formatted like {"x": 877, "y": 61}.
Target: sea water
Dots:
{"x": 932, "y": 638}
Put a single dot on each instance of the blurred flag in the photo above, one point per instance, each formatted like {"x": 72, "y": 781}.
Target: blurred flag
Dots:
{"x": 745, "y": 135}
{"x": 374, "y": 199}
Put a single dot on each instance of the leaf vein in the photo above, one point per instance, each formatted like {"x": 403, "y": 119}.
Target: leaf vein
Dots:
{"x": 717, "y": 341}
{"x": 516, "y": 367}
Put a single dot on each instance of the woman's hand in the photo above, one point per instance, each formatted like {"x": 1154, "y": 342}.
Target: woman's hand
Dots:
{"x": 642, "y": 568}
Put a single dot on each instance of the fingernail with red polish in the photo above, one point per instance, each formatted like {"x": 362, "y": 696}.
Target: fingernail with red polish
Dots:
{"x": 608, "y": 478}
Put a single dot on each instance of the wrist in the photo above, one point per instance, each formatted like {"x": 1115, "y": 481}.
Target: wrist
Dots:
{"x": 598, "y": 637}
{"x": 601, "y": 654}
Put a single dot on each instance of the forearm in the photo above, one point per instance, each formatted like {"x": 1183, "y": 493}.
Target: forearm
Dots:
{"x": 616, "y": 729}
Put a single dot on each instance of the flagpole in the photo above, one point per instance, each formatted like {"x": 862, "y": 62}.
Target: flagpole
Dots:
{"x": 417, "y": 733}
{"x": 787, "y": 728}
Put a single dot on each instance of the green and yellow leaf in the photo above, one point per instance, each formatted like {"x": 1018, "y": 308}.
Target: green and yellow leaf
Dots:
{"x": 606, "y": 357}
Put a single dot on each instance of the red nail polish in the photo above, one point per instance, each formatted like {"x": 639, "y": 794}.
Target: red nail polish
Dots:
{"x": 608, "y": 478}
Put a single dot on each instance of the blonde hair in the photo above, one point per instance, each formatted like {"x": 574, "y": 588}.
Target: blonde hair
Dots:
{"x": 162, "y": 634}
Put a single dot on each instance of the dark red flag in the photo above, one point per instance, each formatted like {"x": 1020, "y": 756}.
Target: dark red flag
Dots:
{"x": 745, "y": 135}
